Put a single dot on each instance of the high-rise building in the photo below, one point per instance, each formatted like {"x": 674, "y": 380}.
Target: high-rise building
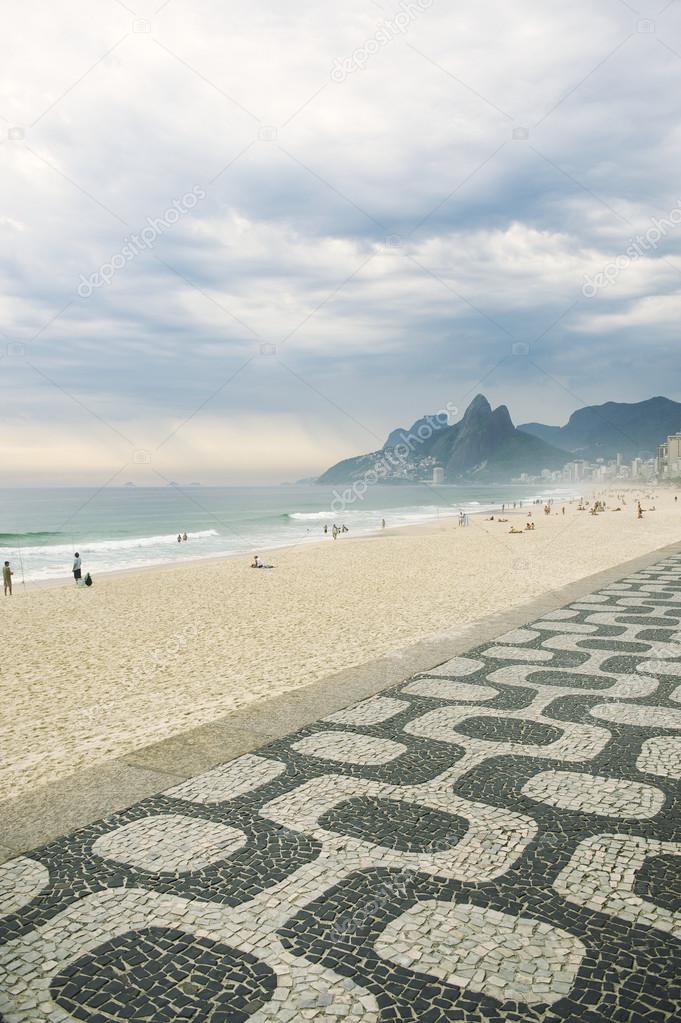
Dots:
{"x": 575, "y": 470}
{"x": 668, "y": 462}
{"x": 438, "y": 474}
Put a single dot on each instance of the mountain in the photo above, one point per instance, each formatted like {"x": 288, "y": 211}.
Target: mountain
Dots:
{"x": 484, "y": 446}
{"x": 395, "y": 437}
{"x": 601, "y": 431}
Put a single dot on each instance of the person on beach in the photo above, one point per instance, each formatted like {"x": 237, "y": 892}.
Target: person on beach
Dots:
{"x": 76, "y": 567}
{"x": 184, "y": 535}
{"x": 7, "y": 574}
{"x": 326, "y": 528}
{"x": 382, "y": 523}
{"x": 257, "y": 563}
{"x": 179, "y": 537}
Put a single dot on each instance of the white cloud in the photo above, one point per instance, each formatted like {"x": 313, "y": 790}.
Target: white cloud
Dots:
{"x": 653, "y": 311}
{"x": 418, "y": 146}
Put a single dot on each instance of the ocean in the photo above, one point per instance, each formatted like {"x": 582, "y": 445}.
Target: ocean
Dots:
{"x": 115, "y": 528}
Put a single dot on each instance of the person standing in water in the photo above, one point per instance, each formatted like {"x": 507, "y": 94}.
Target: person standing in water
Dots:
{"x": 76, "y": 567}
{"x": 7, "y": 574}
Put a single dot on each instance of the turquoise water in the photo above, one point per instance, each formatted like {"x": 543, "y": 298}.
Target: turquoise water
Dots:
{"x": 126, "y": 527}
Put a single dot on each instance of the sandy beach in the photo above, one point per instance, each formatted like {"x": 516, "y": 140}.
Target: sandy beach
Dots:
{"x": 93, "y": 674}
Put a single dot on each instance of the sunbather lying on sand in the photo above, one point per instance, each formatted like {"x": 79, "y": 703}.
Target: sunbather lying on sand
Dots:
{"x": 257, "y": 563}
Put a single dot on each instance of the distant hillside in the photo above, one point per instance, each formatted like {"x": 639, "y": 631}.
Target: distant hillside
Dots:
{"x": 483, "y": 446}
{"x": 601, "y": 431}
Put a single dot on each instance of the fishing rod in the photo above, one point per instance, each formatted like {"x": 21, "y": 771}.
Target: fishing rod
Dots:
{"x": 21, "y": 562}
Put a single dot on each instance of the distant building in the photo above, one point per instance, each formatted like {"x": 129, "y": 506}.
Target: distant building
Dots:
{"x": 575, "y": 470}
{"x": 669, "y": 456}
{"x": 603, "y": 471}
{"x": 438, "y": 474}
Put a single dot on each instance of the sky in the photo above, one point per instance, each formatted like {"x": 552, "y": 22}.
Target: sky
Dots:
{"x": 240, "y": 242}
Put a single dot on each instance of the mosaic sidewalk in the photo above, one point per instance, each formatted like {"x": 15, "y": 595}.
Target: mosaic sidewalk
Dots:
{"x": 496, "y": 840}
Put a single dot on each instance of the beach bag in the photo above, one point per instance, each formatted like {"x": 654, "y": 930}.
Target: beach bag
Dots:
{"x": 88, "y": 579}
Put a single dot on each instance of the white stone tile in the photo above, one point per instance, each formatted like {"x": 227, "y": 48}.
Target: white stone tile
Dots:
{"x": 432, "y": 937}
{"x": 459, "y": 666}
{"x": 511, "y": 653}
{"x": 601, "y": 875}
{"x": 661, "y": 756}
{"x": 170, "y": 843}
{"x": 660, "y": 667}
{"x": 20, "y": 881}
{"x": 349, "y": 747}
{"x": 571, "y": 627}
{"x": 369, "y": 712}
{"x": 587, "y": 793}
{"x": 444, "y": 689}
{"x": 228, "y": 781}
{"x": 638, "y": 714}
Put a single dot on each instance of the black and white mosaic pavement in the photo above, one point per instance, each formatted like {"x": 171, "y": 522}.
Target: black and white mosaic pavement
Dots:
{"x": 496, "y": 840}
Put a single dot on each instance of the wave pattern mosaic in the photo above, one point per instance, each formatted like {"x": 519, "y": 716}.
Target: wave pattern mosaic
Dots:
{"x": 496, "y": 840}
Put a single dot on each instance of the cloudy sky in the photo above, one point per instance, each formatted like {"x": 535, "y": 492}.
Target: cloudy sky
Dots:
{"x": 242, "y": 241}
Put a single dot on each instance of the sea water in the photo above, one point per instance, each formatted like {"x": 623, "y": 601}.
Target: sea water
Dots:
{"x": 115, "y": 528}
